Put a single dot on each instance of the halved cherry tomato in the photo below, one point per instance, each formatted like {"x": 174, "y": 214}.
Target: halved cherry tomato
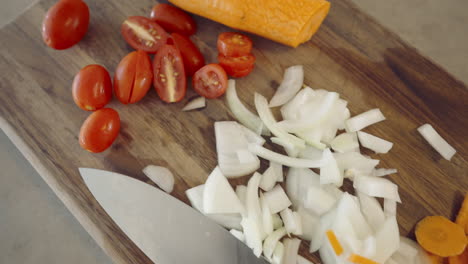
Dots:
{"x": 191, "y": 55}
{"x": 65, "y": 24}
{"x": 233, "y": 44}
{"x": 143, "y": 34}
{"x": 133, "y": 77}
{"x": 92, "y": 87}
{"x": 169, "y": 75}
{"x": 99, "y": 130}
{"x": 210, "y": 81}
{"x": 237, "y": 66}
{"x": 173, "y": 19}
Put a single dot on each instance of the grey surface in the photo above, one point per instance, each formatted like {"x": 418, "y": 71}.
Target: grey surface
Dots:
{"x": 35, "y": 227}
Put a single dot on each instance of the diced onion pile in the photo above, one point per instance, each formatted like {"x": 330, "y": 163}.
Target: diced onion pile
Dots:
{"x": 316, "y": 132}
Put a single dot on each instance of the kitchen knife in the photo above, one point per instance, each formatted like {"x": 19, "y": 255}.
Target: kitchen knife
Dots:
{"x": 165, "y": 229}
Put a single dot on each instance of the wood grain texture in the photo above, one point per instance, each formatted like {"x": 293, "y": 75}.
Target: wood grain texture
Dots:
{"x": 351, "y": 54}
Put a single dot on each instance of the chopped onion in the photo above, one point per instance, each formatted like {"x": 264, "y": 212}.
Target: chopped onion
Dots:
{"x": 298, "y": 220}
{"x": 252, "y": 137}
{"x": 345, "y": 142}
{"x": 333, "y": 190}
{"x": 309, "y": 223}
{"x": 196, "y": 103}
{"x": 268, "y": 119}
{"x": 269, "y": 178}
{"x": 302, "y": 260}
{"x": 278, "y": 169}
{"x": 161, "y": 176}
{"x": 291, "y": 109}
{"x": 330, "y": 172}
{"x": 371, "y": 210}
{"x": 319, "y": 201}
{"x": 377, "y": 187}
{"x": 363, "y": 120}
{"x": 278, "y": 254}
{"x": 270, "y": 242}
{"x": 422, "y": 257}
{"x": 376, "y": 144}
{"x": 289, "y": 220}
{"x": 291, "y": 250}
{"x": 406, "y": 251}
{"x": 290, "y": 149}
{"x": 267, "y": 217}
{"x": 348, "y": 210}
{"x": 388, "y": 240}
{"x": 238, "y": 234}
{"x": 195, "y": 196}
{"x": 277, "y": 199}
{"x": 246, "y": 157}
{"x": 241, "y": 113}
{"x": 390, "y": 207}
{"x": 218, "y": 195}
{"x": 241, "y": 192}
{"x": 436, "y": 141}
{"x": 312, "y": 137}
{"x": 369, "y": 247}
{"x": 284, "y": 160}
{"x": 253, "y": 238}
{"x": 254, "y": 210}
{"x": 356, "y": 163}
{"x": 326, "y": 222}
{"x": 298, "y": 183}
{"x": 292, "y": 82}
{"x": 311, "y": 153}
{"x": 327, "y": 255}
{"x": 277, "y": 222}
{"x": 384, "y": 172}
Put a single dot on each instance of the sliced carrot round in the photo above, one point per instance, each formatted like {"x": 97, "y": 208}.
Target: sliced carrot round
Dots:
{"x": 460, "y": 259}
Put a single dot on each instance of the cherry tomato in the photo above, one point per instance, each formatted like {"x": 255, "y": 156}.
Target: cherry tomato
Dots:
{"x": 99, "y": 130}
{"x": 92, "y": 87}
{"x": 173, "y": 19}
{"x": 191, "y": 55}
{"x": 237, "y": 66}
{"x": 169, "y": 75}
{"x": 143, "y": 34}
{"x": 233, "y": 44}
{"x": 133, "y": 77}
{"x": 65, "y": 24}
{"x": 210, "y": 81}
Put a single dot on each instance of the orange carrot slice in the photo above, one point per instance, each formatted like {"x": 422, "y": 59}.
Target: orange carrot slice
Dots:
{"x": 354, "y": 258}
{"x": 288, "y": 22}
{"x": 441, "y": 236}
{"x": 336, "y": 245}
{"x": 460, "y": 259}
{"x": 462, "y": 217}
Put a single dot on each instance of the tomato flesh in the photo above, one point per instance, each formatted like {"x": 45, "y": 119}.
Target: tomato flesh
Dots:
{"x": 233, "y": 44}
{"x": 92, "y": 87}
{"x": 237, "y": 66}
{"x": 169, "y": 74}
{"x": 99, "y": 130}
{"x": 133, "y": 77}
{"x": 210, "y": 81}
{"x": 173, "y": 19}
{"x": 65, "y": 24}
{"x": 191, "y": 55}
{"x": 143, "y": 34}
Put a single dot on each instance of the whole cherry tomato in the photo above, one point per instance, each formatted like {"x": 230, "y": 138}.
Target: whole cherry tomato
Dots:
{"x": 173, "y": 19}
{"x": 233, "y": 44}
{"x": 143, "y": 34}
{"x": 169, "y": 75}
{"x": 237, "y": 66}
{"x": 133, "y": 77}
{"x": 191, "y": 55}
{"x": 99, "y": 130}
{"x": 65, "y": 24}
{"x": 210, "y": 81}
{"x": 92, "y": 87}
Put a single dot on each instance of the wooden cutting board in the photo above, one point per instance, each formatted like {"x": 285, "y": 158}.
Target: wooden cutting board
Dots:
{"x": 351, "y": 54}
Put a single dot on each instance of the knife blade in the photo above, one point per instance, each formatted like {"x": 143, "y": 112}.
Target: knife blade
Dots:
{"x": 164, "y": 228}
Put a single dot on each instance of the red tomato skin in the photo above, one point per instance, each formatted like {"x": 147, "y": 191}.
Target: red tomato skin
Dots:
{"x": 65, "y": 24}
{"x": 173, "y": 19}
{"x": 160, "y": 80}
{"x": 208, "y": 76}
{"x": 143, "y": 77}
{"x": 99, "y": 130}
{"x": 92, "y": 87}
{"x": 237, "y": 66}
{"x": 233, "y": 44}
{"x": 159, "y": 34}
{"x": 191, "y": 55}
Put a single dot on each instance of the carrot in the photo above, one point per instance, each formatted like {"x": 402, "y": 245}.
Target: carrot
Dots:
{"x": 354, "y": 258}
{"x": 460, "y": 259}
{"x": 434, "y": 259}
{"x": 441, "y": 236}
{"x": 290, "y": 22}
{"x": 334, "y": 242}
{"x": 462, "y": 217}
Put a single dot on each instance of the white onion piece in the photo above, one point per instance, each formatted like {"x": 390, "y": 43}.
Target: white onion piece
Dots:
{"x": 241, "y": 113}
{"x": 290, "y": 149}
{"x": 436, "y": 141}
{"x": 345, "y": 142}
{"x": 290, "y": 110}
{"x": 252, "y": 137}
{"x": 270, "y": 242}
{"x": 278, "y": 254}
{"x": 195, "y": 196}
{"x": 267, "y": 217}
{"x": 348, "y": 210}
{"x": 311, "y": 153}
{"x": 422, "y": 257}
{"x": 278, "y": 169}
{"x": 283, "y": 159}
{"x": 326, "y": 222}
{"x": 309, "y": 223}
{"x": 302, "y": 260}
{"x": 328, "y": 135}
{"x": 369, "y": 247}
{"x": 298, "y": 219}
{"x": 363, "y": 120}
{"x": 384, "y": 172}
{"x": 390, "y": 207}
{"x": 298, "y": 183}
{"x": 196, "y": 103}
{"x": 253, "y": 238}
{"x": 292, "y": 82}
{"x": 333, "y": 190}
{"x": 277, "y": 199}
{"x": 238, "y": 234}
{"x": 371, "y": 210}
{"x": 330, "y": 172}
{"x": 218, "y": 195}
{"x": 269, "y": 178}
{"x": 291, "y": 250}
{"x": 161, "y": 176}
{"x": 241, "y": 192}
{"x": 377, "y": 187}
{"x": 277, "y": 222}
{"x": 388, "y": 240}
{"x": 289, "y": 220}
{"x": 312, "y": 137}
{"x": 254, "y": 210}
{"x": 376, "y": 144}
{"x": 327, "y": 255}
{"x": 318, "y": 201}
{"x": 406, "y": 251}
{"x": 269, "y": 121}
{"x": 246, "y": 157}
{"x": 356, "y": 163}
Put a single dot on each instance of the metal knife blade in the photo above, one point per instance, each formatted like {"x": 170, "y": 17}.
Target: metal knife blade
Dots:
{"x": 165, "y": 229}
